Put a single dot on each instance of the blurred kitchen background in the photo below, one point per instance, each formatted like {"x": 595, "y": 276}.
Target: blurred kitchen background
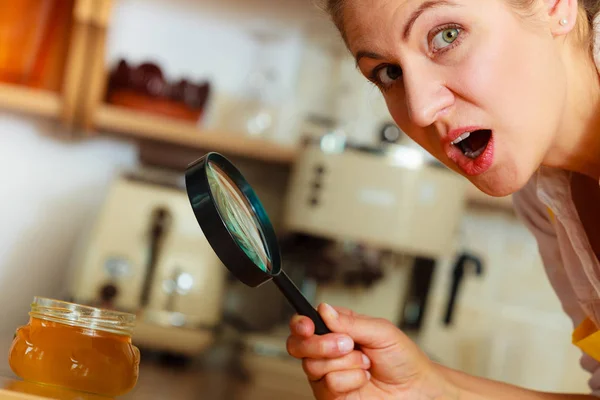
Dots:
{"x": 104, "y": 103}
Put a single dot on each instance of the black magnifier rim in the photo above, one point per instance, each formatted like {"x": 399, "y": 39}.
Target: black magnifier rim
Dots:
{"x": 214, "y": 227}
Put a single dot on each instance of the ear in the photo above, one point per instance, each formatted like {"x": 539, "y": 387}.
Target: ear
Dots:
{"x": 562, "y": 15}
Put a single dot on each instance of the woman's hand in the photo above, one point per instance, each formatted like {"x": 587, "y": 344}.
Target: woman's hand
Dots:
{"x": 387, "y": 364}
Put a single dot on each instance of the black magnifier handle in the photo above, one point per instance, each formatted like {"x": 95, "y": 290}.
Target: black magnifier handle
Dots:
{"x": 299, "y": 302}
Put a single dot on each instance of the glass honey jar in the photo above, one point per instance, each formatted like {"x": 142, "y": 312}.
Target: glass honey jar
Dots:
{"x": 76, "y": 347}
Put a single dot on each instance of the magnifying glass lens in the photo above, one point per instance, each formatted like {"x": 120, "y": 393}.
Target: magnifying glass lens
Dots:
{"x": 239, "y": 217}
{"x": 238, "y": 229}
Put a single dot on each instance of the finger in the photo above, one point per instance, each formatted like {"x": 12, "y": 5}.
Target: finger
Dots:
{"x": 375, "y": 333}
{"x": 342, "y": 310}
{"x": 302, "y": 326}
{"x": 379, "y": 338}
{"x": 342, "y": 382}
{"x": 316, "y": 369}
{"x": 331, "y": 345}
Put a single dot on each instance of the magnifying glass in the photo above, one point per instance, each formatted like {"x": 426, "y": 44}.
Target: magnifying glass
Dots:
{"x": 239, "y": 230}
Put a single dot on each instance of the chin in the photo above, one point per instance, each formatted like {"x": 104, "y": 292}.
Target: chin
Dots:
{"x": 497, "y": 191}
{"x": 499, "y": 182}
{"x": 502, "y": 179}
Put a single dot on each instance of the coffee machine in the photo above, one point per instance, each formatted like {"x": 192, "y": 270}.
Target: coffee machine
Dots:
{"x": 146, "y": 255}
{"x": 392, "y": 201}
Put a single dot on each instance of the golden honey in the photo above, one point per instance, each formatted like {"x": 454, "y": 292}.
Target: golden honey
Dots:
{"x": 76, "y": 347}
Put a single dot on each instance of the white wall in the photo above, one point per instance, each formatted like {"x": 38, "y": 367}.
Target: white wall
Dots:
{"x": 197, "y": 39}
{"x": 50, "y": 192}
{"x": 508, "y": 323}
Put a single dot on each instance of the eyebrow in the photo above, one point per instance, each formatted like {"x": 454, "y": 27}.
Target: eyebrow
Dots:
{"x": 419, "y": 11}
{"x": 368, "y": 54}
{"x": 407, "y": 28}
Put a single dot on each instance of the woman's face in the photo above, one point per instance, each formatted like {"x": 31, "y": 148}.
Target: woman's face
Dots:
{"x": 449, "y": 69}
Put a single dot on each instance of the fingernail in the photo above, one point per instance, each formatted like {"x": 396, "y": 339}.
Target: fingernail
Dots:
{"x": 366, "y": 360}
{"x": 368, "y": 375}
{"x": 345, "y": 345}
{"x": 296, "y": 318}
{"x": 332, "y": 311}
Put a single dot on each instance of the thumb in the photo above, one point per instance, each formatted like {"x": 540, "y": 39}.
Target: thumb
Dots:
{"x": 395, "y": 358}
{"x": 375, "y": 333}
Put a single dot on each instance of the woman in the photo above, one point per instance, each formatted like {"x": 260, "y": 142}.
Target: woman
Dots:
{"x": 506, "y": 93}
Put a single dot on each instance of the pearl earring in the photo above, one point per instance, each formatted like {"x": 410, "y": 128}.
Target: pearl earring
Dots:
{"x": 564, "y": 21}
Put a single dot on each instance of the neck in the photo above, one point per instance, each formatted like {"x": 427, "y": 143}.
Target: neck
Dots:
{"x": 577, "y": 146}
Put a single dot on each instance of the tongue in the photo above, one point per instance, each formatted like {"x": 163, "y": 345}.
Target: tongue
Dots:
{"x": 478, "y": 140}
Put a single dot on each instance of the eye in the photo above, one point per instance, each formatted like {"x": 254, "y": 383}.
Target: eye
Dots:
{"x": 444, "y": 38}
{"x": 388, "y": 74}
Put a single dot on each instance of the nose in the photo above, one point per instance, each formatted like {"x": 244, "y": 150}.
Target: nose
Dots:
{"x": 426, "y": 96}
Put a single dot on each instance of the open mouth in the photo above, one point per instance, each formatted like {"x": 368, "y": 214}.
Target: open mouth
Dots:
{"x": 472, "y": 144}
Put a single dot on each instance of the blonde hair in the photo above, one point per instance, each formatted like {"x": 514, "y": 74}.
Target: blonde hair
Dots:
{"x": 588, "y": 10}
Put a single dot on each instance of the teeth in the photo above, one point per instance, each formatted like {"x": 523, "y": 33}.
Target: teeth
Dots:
{"x": 474, "y": 154}
{"x": 461, "y": 138}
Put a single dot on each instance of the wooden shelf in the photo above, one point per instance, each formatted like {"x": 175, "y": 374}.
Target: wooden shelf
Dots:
{"x": 148, "y": 126}
{"x": 30, "y": 100}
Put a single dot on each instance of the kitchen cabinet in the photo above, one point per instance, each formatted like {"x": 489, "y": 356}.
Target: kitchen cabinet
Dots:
{"x": 44, "y": 53}
{"x": 99, "y": 117}
{"x": 79, "y": 107}
{"x": 143, "y": 126}
{"x": 508, "y": 324}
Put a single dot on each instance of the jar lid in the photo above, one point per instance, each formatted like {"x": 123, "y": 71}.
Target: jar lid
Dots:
{"x": 82, "y": 316}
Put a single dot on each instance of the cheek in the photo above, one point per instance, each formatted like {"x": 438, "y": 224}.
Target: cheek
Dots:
{"x": 510, "y": 78}
{"x": 516, "y": 84}
{"x": 490, "y": 76}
